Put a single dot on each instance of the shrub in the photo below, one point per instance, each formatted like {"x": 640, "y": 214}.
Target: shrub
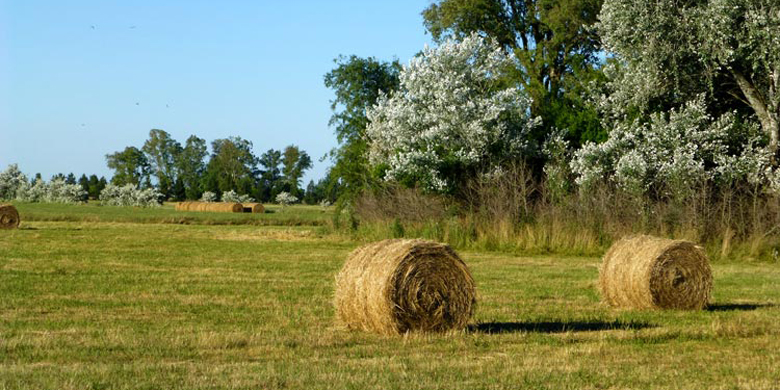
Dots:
{"x": 10, "y": 181}
{"x": 208, "y": 196}
{"x": 232, "y": 196}
{"x": 454, "y": 113}
{"x": 286, "y": 199}
{"x": 129, "y": 195}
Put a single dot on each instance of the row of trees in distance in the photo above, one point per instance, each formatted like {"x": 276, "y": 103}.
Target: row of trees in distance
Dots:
{"x": 186, "y": 171}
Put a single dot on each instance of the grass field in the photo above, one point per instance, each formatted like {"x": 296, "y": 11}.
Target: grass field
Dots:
{"x": 89, "y": 300}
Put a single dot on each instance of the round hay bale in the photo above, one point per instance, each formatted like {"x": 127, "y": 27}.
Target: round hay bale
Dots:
{"x": 399, "y": 286}
{"x": 644, "y": 272}
{"x": 9, "y": 217}
{"x": 253, "y": 208}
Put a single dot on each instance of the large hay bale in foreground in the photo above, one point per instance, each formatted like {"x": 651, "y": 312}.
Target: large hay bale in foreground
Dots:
{"x": 9, "y": 217}
{"x": 644, "y": 272}
{"x": 253, "y": 208}
{"x": 398, "y": 286}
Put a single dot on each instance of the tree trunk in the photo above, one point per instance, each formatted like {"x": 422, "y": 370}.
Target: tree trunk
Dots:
{"x": 768, "y": 118}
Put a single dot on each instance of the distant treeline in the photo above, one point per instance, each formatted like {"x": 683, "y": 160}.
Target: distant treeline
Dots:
{"x": 186, "y": 172}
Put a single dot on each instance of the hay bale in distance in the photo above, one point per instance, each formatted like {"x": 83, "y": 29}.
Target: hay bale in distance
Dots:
{"x": 9, "y": 217}
{"x": 229, "y": 207}
{"x": 644, "y": 272}
{"x": 398, "y": 286}
{"x": 253, "y": 208}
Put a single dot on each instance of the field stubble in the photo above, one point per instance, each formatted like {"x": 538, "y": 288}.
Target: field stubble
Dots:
{"x": 116, "y": 305}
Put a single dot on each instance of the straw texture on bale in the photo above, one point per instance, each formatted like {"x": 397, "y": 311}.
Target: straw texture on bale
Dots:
{"x": 228, "y": 207}
{"x": 253, "y": 208}
{"x": 644, "y": 272}
{"x": 9, "y": 217}
{"x": 398, "y": 286}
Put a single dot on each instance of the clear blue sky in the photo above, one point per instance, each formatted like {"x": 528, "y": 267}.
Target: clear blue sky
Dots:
{"x": 80, "y": 79}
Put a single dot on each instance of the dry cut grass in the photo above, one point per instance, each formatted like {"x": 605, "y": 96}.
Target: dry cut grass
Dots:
{"x": 147, "y": 306}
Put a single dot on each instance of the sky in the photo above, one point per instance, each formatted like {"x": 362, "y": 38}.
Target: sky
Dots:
{"x": 81, "y": 79}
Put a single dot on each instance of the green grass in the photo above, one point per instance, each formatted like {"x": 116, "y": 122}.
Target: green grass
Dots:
{"x": 114, "y": 305}
{"x": 94, "y": 212}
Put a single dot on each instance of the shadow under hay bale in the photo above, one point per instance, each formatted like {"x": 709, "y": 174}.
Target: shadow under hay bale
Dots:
{"x": 225, "y": 207}
{"x": 9, "y": 217}
{"x": 556, "y": 326}
{"x": 253, "y": 208}
{"x": 644, "y": 272}
{"x": 398, "y": 286}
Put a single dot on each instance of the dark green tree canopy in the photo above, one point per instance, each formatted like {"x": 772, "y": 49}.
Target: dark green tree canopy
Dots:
{"x": 233, "y": 165}
{"x": 191, "y": 165}
{"x": 130, "y": 167}
{"x": 295, "y": 162}
{"x": 162, "y": 151}
{"x": 357, "y": 83}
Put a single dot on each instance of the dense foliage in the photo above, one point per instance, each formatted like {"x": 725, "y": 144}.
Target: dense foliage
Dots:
{"x": 555, "y": 47}
{"x": 357, "y": 83}
{"x": 454, "y": 114}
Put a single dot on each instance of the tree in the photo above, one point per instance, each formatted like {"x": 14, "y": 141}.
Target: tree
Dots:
{"x": 553, "y": 42}
{"x": 130, "y": 167}
{"x": 190, "y": 165}
{"x": 178, "y": 191}
{"x": 10, "y": 181}
{"x": 84, "y": 183}
{"x": 95, "y": 187}
{"x": 669, "y": 54}
{"x": 271, "y": 176}
{"x": 70, "y": 179}
{"x": 162, "y": 151}
{"x": 453, "y": 116}
{"x": 295, "y": 162}
{"x": 232, "y": 165}
{"x": 357, "y": 83}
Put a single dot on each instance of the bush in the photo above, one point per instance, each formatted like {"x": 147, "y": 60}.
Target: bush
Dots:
{"x": 286, "y": 199}
{"x": 674, "y": 154}
{"x": 14, "y": 185}
{"x": 232, "y": 196}
{"x": 129, "y": 195}
{"x": 455, "y": 113}
{"x": 10, "y": 181}
{"x": 208, "y": 196}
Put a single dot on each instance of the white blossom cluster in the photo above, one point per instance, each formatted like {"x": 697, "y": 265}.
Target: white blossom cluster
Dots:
{"x": 232, "y": 196}
{"x": 56, "y": 191}
{"x": 284, "y": 198}
{"x": 208, "y": 196}
{"x": 10, "y": 181}
{"x": 129, "y": 195}
{"x": 674, "y": 152}
{"x": 14, "y": 185}
{"x": 450, "y": 111}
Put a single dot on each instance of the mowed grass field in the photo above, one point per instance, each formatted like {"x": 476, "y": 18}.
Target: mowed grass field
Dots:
{"x": 104, "y": 302}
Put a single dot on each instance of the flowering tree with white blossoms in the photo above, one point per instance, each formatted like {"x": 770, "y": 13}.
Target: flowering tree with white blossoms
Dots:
{"x": 691, "y": 96}
{"x": 232, "y": 196}
{"x": 129, "y": 195}
{"x": 10, "y": 181}
{"x": 671, "y": 53}
{"x": 673, "y": 153}
{"x": 454, "y": 114}
{"x": 208, "y": 196}
{"x": 14, "y": 185}
{"x": 284, "y": 198}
